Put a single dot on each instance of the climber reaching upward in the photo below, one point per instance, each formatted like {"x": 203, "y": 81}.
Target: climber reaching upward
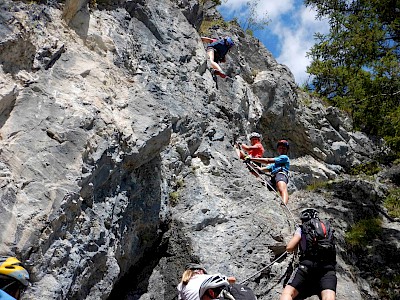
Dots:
{"x": 279, "y": 168}
{"x": 316, "y": 274}
{"x": 216, "y": 52}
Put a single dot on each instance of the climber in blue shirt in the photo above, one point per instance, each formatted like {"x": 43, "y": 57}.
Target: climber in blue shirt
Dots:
{"x": 279, "y": 169}
{"x": 216, "y": 51}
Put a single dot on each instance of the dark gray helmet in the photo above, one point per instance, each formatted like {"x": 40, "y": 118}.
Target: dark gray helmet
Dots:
{"x": 194, "y": 266}
{"x": 308, "y": 213}
{"x": 284, "y": 143}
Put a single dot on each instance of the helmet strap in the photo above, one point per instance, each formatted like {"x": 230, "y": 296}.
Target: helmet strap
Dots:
{"x": 211, "y": 295}
{"x": 8, "y": 285}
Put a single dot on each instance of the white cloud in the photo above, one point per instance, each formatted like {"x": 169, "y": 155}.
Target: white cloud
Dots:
{"x": 292, "y": 28}
{"x": 273, "y": 7}
{"x": 296, "y": 38}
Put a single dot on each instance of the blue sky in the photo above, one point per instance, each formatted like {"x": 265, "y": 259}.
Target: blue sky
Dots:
{"x": 290, "y": 33}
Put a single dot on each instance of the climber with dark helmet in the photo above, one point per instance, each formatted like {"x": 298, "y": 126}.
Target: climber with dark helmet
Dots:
{"x": 316, "y": 274}
{"x": 278, "y": 167}
{"x": 192, "y": 278}
{"x": 212, "y": 287}
{"x": 13, "y": 278}
{"x": 216, "y": 52}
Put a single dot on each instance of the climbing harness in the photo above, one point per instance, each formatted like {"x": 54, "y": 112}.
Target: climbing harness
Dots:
{"x": 259, "y": 271}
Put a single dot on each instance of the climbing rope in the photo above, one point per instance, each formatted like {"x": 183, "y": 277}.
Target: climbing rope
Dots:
{"x": 259, "y": 271}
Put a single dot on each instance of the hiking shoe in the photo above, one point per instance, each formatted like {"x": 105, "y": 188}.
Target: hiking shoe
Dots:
{"x": 220, "y": 73}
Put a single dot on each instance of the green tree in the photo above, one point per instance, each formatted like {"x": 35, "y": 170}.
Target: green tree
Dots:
{"x": 356, "y": 65}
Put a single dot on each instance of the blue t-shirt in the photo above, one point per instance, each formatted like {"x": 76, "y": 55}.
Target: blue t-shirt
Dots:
{"x": 220, "y": 47}
{"x": 5, "y": 296}
{"x": 282, "y": 163}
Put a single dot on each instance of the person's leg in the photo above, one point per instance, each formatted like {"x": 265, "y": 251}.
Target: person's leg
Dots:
{"x": 295, "y": 285}
{"x": 328, "y": 283}
{"x": 282, "y": 188}
{"x": 288, "y": 293}
{"x": 211, "y": 56}
{"x": 328, "y": 295}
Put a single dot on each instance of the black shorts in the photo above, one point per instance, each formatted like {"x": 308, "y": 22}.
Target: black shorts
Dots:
{"x": 217, "y": 57}
{"x": 279, "y": 177}
{"x": 310, "y": 281}
{"x": 276, "y": 178}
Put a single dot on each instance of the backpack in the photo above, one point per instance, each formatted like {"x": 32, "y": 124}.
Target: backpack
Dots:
{"x": 320, "y": 241}
{"x": 238, "y": 291}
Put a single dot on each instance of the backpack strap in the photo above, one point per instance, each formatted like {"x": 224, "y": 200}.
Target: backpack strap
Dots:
{"x": 323, "y": 228}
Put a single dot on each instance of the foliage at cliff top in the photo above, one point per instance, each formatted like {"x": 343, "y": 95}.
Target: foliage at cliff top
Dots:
{"x": 356, "y": 65}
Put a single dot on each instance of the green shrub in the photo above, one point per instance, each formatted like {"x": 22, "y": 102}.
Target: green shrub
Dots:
{"x": 207, "y": 24}
{"x": 318, "y": 185}
{"x": 369, "y": 169}
{"x": 363, "y": 232}
{"x": 180, "y": 183}
{"x": 174, "y": 198}
{"x": 249, "y": 32}
{"x": 388, "y": 286}
{"x": 392, "y": 203}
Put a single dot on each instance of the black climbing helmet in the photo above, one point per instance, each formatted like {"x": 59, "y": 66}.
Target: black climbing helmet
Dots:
{"x": 194, "y": 266}
{"x": 255, "y": 135}
{"x": 308, "y": 214}
{"x": 284, "y": 143}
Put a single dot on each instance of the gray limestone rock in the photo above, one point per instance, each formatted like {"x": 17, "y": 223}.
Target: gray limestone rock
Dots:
{"x": 117, "y": 165}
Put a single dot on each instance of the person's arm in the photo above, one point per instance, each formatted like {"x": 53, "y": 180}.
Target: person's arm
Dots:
{"x": 231, "y": 280}
{"x": 291, "y": 246}
{"x": 264, "y": 160}
{"x": 264, "y": 169}
{"x": 207, "y": 40}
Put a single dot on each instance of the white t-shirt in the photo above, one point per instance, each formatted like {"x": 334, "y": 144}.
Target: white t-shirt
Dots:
{"x": 190, "y": 291}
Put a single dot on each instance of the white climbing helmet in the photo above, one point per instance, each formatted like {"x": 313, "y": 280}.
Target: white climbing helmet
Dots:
{"x": 213, "y": 282}
{"x": 254, "y": 135}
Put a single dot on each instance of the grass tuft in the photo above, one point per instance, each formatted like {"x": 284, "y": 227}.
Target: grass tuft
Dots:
{"x": 363, "y": 232}
{"x": 392, "y": 203}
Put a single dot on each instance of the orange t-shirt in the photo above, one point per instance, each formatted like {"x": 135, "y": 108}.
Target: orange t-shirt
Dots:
{"x": 258, "y": 152}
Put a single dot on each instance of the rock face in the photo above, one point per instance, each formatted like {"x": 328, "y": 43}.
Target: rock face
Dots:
{"x": 117, "y": 165}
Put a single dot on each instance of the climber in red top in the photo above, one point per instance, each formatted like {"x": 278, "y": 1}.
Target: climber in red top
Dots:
{"x": 255, "y": 150}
